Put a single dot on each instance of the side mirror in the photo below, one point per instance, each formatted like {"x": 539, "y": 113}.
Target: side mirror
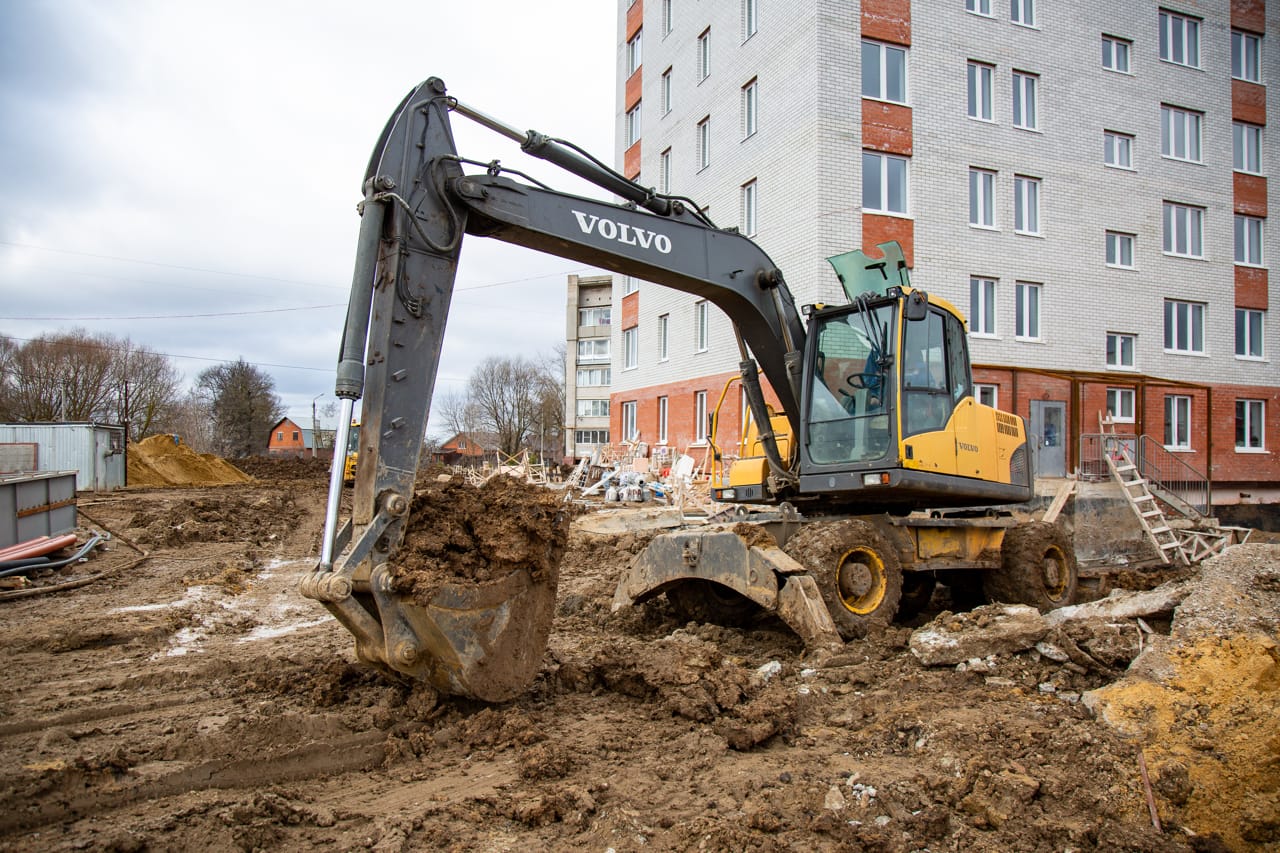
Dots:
{"x": 917, "y": 305}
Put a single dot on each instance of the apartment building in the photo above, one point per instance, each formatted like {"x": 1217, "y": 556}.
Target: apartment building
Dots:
{"x": 588, "y": 364}
{"x": 1088, "y": 180}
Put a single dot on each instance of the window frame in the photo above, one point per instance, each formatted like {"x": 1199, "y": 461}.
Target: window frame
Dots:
{"x": 980, "y": 388}
{"x": 668, "y": 18}
{"x": 1244, "y": 37}
{"x": 980, "y": 90}
{"x": 664, "y": 171}
{"x": 630, "y": 285}
{"x": 1249, "y": 239}
{"x": 976, "y": 7}
{"x": 701, "y": 326}
{"x": 1194, "y": 232}
{"x": 1026, "y": 203}
{"x": 593, "y": 407}
{"x": 665, "y": 90}
{"x": 631, "y": 348}
{"x": 700, "y": 417}
{"x": 1246, "y": 146}
{"x": 1165, "y": 45}
{"x": 983, "y": 307}
{"x": 1249, "y": 334}
{"x": 590, "y": 436}
{"x": 750, "y": 202}
{"x": 1111, "y": 146}
{"x": 750, "y": 18}
{"x": 588, "y": 351}
{"x": 1245, "y": 419}
{"x": 1177, "y": 407}
{"x": 588, "y": 311}
{"x": 882, "y": 50}
{"x": 605, "y": 372}
{"x": 1026, "y": 85}
{"x": 635, "y": 52}
{"x": 704, "y": 55}
{"x": 1110, "y": 54}
{"x": 627, "y": 419}
{"x": 1121, "y": 338}
{"x": 663, "y": 407}
{"x": 1028, "y": 301}
{"x": 634, "y": 121}
{"x": 884, "y": 178}
{"x": 1115, "y": 260}
{"x": 1022, "y": 13}
{"x": 1118, "y": 395}
{"x": 1176, "y": 126}
{"x": 750, "y": 107}
{"x": 704, "y": 143}
{"x": 1184, "y": 332}
{"x": 664, "y": 325}
{"x": 982, "y": 187}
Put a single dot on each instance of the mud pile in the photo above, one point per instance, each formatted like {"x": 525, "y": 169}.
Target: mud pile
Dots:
{"x": 284, "y": 468}
{"x": 462, "y": 533}
{"x": 255, "y": 519}
{"x": 159, "y": 460}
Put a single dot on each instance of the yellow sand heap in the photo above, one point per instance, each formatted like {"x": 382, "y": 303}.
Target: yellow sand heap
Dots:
{"x": 160, "y": 460}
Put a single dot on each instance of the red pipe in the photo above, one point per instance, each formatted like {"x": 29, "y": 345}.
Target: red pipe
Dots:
{"x": 38, "y": 547}
{"x": 5, "y": 551}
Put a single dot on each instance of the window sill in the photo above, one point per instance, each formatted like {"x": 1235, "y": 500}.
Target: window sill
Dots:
{"x": 984, "y": 336}
{"x": 888, "y": 213}
{"x": 1182, "y": 160}
{"x": 1184, "y": 257}
{"x": 1027, "y": 129}
{"x": 1119, "y": 267}
{"x": 1247, "y": 172}
{"x": 1187, "y": 353}
{"x": 1256, "y": 451}
{"x": 699, "y": 443}
{"x": 983, "y": 120}
{"x": 990, "y": 228}
{"x": 1035, "y": 27}
{"x": 1256, "y": 359}
{"x": 1118, "y": 71}
{"x": 1124, "y": 368}
{"x": 1249, "y": 266}
{"x": 750, "y": 135}
{"x": 1122, "y": 420}
{"x": 1118, "y": 167}
{"x": 886, "y": 101}
{"x": 1178, "y": 449}
{"x": 1039, "y": 235}
{"x": 1022, "y": 340}
{"x": 700, "y": 351}
{"x": 1247, "y": 80}
{"x": 989, "y": 16}
{"x": 1164, "y": 61}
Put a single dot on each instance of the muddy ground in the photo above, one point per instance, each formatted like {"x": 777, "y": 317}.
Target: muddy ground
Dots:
{"x": 197, "y": 701}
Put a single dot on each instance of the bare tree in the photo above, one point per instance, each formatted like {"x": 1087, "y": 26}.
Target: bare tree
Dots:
{"x": 503, "y": 392}
{"x": 146, "y": 389}
{"x": 551, "y": 398}
{"x": 243, "y": 404}
{"x": 458, "y": 412}
{"x": 66, "y": 376}
{"x": 189, "y": 418}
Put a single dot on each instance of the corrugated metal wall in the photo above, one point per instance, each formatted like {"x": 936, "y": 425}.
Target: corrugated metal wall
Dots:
{"x": 85, "y": 448}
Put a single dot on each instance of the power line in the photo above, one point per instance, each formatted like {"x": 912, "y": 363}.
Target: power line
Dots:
{"x": 178, "y": 316}
{"x": 171, "y": 354}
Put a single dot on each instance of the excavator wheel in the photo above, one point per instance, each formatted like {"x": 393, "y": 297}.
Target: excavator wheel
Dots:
{"x": 858, "y": 574}
{"x": 698, "y": 600}
{"x": 1037, "y": 567}
{"x": 917, "y": 592}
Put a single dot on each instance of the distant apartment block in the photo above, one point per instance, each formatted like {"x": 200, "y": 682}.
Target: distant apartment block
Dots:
{"x": 588, "y": 364}
{"x": 1089, "y": 181}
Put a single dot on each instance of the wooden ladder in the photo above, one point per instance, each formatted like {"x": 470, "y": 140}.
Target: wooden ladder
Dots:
{"x": 1144, "y": 505}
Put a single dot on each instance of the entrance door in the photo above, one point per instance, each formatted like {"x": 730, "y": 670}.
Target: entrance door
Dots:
{"x": 1048, "y": 437}
{"x": 101, "y": 452}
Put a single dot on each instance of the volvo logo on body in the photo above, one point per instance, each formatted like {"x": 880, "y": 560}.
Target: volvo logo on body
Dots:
{"x": 621, "y": 232}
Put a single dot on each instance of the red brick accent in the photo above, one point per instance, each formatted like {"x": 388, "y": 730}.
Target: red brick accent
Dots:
{"x": 887, "y": 20}
{"x": 1251, "y": 288}
{"x": 877, "y": 229}
{"x": 631, "y": 161}
{"x": 1248, "y": 102}
{"x": 630, "y": 310}
{"x": 635, "y": 17}
{"x": 632, "y": 91}
{"x": 1249, "y": 15}
{"x": 886, "y": 127}
{"x": 1229, "y": 465}
{"x": 1250, "y": 194}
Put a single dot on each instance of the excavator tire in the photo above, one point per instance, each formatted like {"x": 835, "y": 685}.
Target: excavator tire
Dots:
{"x": 858, "y": 574}
{"x": 917, "y": 592}
{"x": 1037, "y": 567}
{"x": 706, "y": 601}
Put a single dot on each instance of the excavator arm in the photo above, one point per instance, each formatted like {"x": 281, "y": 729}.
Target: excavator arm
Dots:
{"x": 418, "y": 206}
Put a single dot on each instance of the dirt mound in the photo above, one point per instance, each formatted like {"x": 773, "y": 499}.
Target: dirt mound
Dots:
{"x": 159, "y": 460}
{"x": 460, "y": 533}
{"x": 257, "y": 519}
{"x": 284, "y": 468}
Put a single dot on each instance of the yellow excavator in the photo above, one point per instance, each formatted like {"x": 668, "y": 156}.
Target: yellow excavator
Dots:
{"x": 877, "y": 475}
{"x": 352, "y": 456}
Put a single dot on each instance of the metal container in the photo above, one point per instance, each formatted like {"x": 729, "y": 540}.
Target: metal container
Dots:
{"x": 94, "y": 451}
{"x": 33, "y": 505}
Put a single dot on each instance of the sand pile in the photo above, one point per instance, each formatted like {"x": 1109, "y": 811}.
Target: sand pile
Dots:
{"x": 159, "y": 461}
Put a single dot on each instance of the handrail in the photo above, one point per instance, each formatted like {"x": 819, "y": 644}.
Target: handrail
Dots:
{"x": 1171, "y": 478}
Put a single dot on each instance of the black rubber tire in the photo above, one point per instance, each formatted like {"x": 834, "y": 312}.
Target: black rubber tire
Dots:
{"x": 856, "y": 571}
{"x": 1037, "y": 567}
{"x": 698, "y": 600}
{"x": 917, "y": 592}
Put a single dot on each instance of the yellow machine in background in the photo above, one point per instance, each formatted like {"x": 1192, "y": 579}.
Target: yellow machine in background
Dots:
{"x": 353, "y": 454}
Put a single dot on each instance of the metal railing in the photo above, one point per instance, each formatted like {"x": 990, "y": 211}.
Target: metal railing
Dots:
{"x": 1170, "y": 478}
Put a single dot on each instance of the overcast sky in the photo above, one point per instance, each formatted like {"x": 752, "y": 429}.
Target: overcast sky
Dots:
{"x": 182, "y": 158}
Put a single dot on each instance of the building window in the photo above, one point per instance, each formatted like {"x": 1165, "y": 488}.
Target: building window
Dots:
{"x": 750, "y": 19}
{"x": 884, "y": 72}
{"x": 1249, "y": 333}
{"x": 1023, "y": 12}
{"x": 1117, "y": 149}
{"x": 1026, "y": 315}
{"x": 1250, "y": 422}
{"x": 1115, "y": 54}
{"x": 700, "y": 417}
{"x": 1247, "y": 147}
{"x": 1179, "y": 39}
{"x": 704, "y": 54}
{"x": 981, "y": 81}
{"x": 662, "y": 420}
{"x": 884, "y": 183}
{"x": 630, "y": 347}
{"x": 1120, "y": 350}
{"x": 749, "y": 109}
{"x": 1026, "y": 205}
{"x": 279, "y": 435}
{"x": 1246, "y": 54}
{"x": 1183, "y": 230}
{"x": 704, "y": 143}
{"x": 1120, "y": 250}
{"x": 1024, "y": 100}
{"x": 629, "y": 432}
{"x": 295, "y": 435}
{"x": 663, "y": 323}
{"x": 591, "y": 436}
{"x": 1179, "y": 133}
{"x": 593, "y": 408}
{"x": 981, "y": 204}
{"x": 978, "y": 7}
{"x": 666, "y": 91}
{"x": 594, "y": 316}
{"x": 1248, "y": 240}
{"x": 1120, "y": 405}
{"x": 633, "y": 125}
{"x": 749, "y": 208}
{"x": 1177, "y": 422}
{"x": 987, "y": 395}
{"x": 667, "y": 20}
{"x": 630, "y": 284}
{"x": 633, "y": 53}
{"x": 1183, "y": 326}
{"x": 701, "y": 327}
{"x": 982, "y": 306}
{"x": 664, "y": 171}
{"x": 594, "y": 377}
{"x": 593, "y": 349}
